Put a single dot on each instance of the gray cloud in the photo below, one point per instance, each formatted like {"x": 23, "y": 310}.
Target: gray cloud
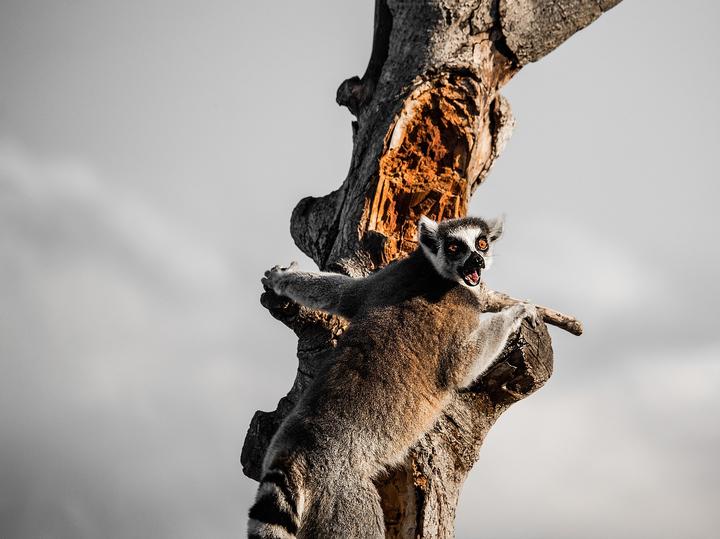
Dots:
{"x": 627, "y": 452}
{"x": 122, "y": 395}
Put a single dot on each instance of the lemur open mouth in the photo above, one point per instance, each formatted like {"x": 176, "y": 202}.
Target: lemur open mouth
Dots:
{"x": 470, "y": 271}
{"x": 471, "y": 278}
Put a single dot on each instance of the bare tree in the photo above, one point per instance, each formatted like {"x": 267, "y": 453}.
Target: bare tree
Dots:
{"x": 430, "y": 124}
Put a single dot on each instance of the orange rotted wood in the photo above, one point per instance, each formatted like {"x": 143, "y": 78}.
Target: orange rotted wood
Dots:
{"x": 437, "y": 150}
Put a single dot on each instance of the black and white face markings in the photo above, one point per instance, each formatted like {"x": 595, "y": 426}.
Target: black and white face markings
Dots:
{"x": 460, "y": 248}
{"x": 466, "y": 249}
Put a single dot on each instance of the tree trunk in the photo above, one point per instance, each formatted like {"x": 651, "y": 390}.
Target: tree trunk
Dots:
{"x": 430, "y": 124}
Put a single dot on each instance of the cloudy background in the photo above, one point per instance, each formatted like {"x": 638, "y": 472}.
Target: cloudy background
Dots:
{"x": 150, "y": 155}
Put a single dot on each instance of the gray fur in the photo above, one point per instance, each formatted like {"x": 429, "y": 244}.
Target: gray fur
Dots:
{"x": 416, "y": 335}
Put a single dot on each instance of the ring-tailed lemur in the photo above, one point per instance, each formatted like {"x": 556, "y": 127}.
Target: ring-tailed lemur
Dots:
{"x": 416, "y": 335}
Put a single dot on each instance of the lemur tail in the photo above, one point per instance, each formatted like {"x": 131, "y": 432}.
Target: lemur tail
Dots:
{"x": 342, "y": 506}
{"x": 277, "y": 509}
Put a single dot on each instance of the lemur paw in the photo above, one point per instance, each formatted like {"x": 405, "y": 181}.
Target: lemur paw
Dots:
{"x": 274, "y": 278}
{"x": 531, "y": 314}
{"x": 526, "y": 311}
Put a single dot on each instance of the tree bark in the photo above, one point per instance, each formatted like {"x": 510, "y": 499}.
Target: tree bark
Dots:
{"x": 430, "y": 124}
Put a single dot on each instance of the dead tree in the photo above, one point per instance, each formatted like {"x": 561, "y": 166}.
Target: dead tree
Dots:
{"x": 430, "y": 123}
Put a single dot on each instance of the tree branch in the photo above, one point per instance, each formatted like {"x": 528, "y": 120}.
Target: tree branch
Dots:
{"x": 355, "y": 92}
{"x": 497, "y": 301}
{"x": 430, "y": 124}
{"x": 533, "y": 28}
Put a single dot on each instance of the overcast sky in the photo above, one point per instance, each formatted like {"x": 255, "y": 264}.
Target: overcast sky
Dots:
{"x": 150, "y": 155}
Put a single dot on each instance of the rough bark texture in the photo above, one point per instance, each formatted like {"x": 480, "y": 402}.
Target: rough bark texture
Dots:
{"x": 430, "y": 124}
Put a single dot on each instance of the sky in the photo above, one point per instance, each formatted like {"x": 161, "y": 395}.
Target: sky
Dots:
{"x": 150, "y": 156}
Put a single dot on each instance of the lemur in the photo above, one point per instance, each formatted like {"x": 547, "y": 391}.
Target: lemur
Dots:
{"x": 416, "y": 335}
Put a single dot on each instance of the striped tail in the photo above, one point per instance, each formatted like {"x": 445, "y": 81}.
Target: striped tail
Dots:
{"x": 275, "y": 513}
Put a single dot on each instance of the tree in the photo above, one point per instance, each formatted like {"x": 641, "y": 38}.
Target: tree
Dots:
{"x": 430, "y": 124}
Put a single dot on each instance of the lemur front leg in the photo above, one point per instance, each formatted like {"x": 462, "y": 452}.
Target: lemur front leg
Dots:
{"x": 329, "y": 292}
{"x": 491, "y": 336}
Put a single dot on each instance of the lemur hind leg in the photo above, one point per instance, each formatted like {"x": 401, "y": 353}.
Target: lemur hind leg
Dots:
{"x": 346, "y": 508}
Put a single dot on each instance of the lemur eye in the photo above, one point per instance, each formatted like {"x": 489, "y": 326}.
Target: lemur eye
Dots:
{"x": 481, "y": 244}
{"x": 453, "y": 247}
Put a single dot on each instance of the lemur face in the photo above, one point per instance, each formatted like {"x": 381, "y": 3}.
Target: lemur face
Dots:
{"x": 460, "y": 248}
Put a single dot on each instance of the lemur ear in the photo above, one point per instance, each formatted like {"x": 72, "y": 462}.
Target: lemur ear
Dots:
{"x": 495, "y": 227}
{"x": 427, "y": 233}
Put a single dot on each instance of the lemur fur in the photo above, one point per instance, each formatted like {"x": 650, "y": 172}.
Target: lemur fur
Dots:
{"x": 416, "y": 335}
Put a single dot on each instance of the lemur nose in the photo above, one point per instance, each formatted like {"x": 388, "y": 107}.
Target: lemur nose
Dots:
{"x": 478, "y": 259}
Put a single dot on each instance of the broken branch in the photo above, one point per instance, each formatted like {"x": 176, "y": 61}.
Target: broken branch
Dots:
{"x": 497, "y": 301}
